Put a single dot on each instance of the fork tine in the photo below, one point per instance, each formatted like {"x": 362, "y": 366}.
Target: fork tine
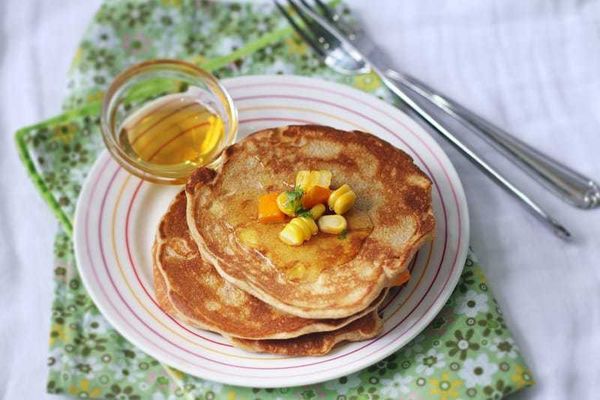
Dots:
{"x": 308, "y": 38}
{"x": 323, "y": 10}
{"x": 332, "y": 15}
{"x": 323, "y": 36}
{"x": 326, "y": 11}
{"x": 307, "y": 21}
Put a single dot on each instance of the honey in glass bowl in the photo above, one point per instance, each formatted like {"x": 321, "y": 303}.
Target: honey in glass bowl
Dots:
{"x": 174, "y": 129}
{"x": 162, "y": 119}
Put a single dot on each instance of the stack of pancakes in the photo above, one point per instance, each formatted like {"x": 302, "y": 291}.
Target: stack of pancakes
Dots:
{"x": 217, "y": 268}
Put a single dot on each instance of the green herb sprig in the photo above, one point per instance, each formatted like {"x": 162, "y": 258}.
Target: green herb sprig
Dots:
{"x": 293, "y": 200}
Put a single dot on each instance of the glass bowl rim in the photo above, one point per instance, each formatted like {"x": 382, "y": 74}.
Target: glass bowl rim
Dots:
{"x": 143, "y": 169}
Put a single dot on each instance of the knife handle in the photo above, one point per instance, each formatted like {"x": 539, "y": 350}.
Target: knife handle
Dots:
{"x": 567, "y": 184}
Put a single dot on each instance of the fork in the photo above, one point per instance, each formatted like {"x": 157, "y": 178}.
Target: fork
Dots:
{"x": 569, "y": 185}
{"x": 333, "y": 45}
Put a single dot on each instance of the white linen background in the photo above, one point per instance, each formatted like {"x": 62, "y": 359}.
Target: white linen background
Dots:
{"x": 531, "y": 66}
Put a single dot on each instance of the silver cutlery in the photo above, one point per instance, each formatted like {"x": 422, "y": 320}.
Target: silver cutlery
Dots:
{"x": 567, "y": 184}
{"x": 317, "y": 25}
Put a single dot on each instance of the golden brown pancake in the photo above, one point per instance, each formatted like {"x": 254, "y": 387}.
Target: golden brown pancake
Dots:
{"x": 343, "y": 275}
{"x": 194, "y": 292}
{"x": 317, "y": 344}
{"x": 312, "y": 344}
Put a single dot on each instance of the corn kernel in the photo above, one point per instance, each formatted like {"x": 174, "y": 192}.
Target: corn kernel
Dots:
{"x": 314, "y": 229}
{"x": 317, "y": 211}
{"x": 302, "y": 178}
{"x": 286, "y": 205}
{"x": 307, "y": 179}
{"x": 333, "y": 224}
{"x": 291, "y": 235}
{"x": 342, "y": 199}
{"x": 325, "y": 178}
{"x": 313, "y": 179}
{"x": 336, "y": 194}
{"x": 302, "y": 226}
{"x": 298, "y": 230}
{"x": 344, "y": 203}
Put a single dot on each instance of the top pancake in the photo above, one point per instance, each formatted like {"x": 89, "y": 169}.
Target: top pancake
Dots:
{"x": 342, "y": 275}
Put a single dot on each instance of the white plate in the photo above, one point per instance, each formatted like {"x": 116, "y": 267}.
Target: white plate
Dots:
{"x": 117, "y": 215}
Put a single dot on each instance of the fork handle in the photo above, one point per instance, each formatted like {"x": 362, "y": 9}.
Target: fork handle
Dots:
{"x": 569, "y": 185}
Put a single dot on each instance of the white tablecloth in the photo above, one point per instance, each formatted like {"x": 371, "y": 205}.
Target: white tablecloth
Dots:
{"x": 532, "y": 66}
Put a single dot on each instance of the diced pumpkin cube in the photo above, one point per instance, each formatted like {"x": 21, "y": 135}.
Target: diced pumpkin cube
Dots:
{"x": 315, "y": 195}
{"x": 268, "y": 211}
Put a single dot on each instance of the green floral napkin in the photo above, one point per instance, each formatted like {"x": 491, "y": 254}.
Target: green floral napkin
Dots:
{"x": 467, "y": 352}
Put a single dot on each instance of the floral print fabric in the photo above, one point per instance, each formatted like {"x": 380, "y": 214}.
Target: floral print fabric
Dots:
{"x": 467, "y": 352}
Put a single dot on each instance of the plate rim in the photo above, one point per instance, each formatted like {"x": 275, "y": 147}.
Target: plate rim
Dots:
{"x": 415, "y": 330}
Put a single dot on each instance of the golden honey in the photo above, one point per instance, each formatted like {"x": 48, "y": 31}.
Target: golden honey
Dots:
{"x": 306, "y": 262}
{"x": 175, "y": 130}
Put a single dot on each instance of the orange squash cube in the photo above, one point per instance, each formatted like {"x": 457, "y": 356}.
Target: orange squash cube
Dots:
{"x": 315, "y": 195}
{"x": 268, "y": 212}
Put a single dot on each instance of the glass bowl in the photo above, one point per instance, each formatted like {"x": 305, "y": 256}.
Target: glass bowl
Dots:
{"x": 162, "y": 119}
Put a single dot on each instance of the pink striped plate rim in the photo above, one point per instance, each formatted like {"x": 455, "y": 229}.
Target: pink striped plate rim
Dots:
{"x": 117, "y": 215}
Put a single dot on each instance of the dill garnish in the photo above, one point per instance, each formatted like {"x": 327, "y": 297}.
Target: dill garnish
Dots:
{"x": 293, "y": 200}
{"x": 304, "y": 213}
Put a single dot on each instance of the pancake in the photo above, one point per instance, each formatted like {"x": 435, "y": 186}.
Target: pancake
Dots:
{"x": 312, "y": 344}
{"x": 196, "y": 294}
{"x": 342, "y": 275}
{"x": 317, "y": 344}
